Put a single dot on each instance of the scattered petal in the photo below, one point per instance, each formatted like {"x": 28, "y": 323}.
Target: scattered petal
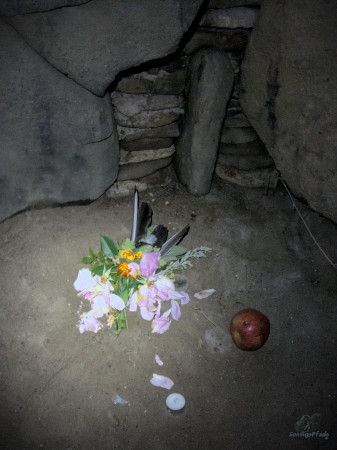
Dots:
{"x": 133, "y": 302}
{"x": 116, "y": 302}
{"x": 117, "y": 399}
{"x": 185, "y": 299}
{"x": 158, "y": 360}
{"x": 161, "y": 324}
{"x": 161, "y": 381}
{"x": 88, "y": 322}
{"x": 146, "y": 314}
{"x": 203, "y": 294}
{"x": 84, "y": 280}
{"x": 175, "y": 310}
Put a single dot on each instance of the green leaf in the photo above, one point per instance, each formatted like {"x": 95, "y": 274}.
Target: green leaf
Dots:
{"x": 100, "y": 255}
{"x": 147, "y": 248}
{"x": 127, "y": 244}
{"x": 108, "y": 247}
{"x": 167, "y": 259}
{"x": 98, "y": 269}
{"x": 87, "y": 260}
{"x": 92, "y": 254}
{"x": 177, "y": 250}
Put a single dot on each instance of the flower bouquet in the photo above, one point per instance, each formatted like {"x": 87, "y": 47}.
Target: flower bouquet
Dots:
{"x": 135, "y": 273}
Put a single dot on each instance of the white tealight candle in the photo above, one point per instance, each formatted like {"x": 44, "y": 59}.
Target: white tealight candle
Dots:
{"x": 175, "y": 402}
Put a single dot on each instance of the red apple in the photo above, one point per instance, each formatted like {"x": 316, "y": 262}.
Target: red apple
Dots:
{"x": 249, "y": 329}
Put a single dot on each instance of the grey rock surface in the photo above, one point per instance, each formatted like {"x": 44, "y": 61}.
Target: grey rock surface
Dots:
{"x": 289, "y": 81}
{"x": 168, "y": 83}
{"x": 232, "y": 3}
{"x": 93, "y": 42}
{"x": 147, "y": 143}
{"x": 211, "y": 81}
{"x": 131, "y": 105}
{"x": 128, "y": 134}
{"x": 255, "y": 147}
{"x": 238, "y": 135}
{"x": 222, "y": 39}
{"x": 237, "y": 121}
{"x": 245, "y": 162}
{"x": 145, "y": 155}
{"x": 160, "y": 178}
{"x": 255, "y": 178}
{"x": 149, "y": 119}
{"x": 142, "y": 169}
{"x": 58, "y": 141}
{"x": 14, "y": 7}
{"x": 240, "y": 17}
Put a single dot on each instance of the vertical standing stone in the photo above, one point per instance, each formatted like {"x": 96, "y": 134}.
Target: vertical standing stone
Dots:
{"x": 209, "y": 89}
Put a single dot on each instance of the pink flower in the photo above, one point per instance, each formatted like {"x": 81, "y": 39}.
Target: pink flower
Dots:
{"x": 134, "y": 270}
{"x": 149, "y": 263}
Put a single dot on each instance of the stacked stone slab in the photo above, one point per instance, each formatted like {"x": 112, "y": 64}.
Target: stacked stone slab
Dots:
{"x": 226, "y": 26}
{"x": 147, "y": 108}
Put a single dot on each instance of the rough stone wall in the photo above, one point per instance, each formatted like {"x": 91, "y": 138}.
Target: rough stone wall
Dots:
{"x": 149, "y": 146}
{"x": 290, "y": 85}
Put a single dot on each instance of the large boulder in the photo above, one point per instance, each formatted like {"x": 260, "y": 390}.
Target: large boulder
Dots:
{"x": 93, "y": 42}
{"x": 58, "y": 137}
{"x": 58, "y": 141}
{"x": 289, "y": 82}
{"x": 14, "y": 7}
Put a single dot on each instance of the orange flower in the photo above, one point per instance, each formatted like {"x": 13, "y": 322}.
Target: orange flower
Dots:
{"x": 123, "y": 269}
{"x": 128, "y": 254}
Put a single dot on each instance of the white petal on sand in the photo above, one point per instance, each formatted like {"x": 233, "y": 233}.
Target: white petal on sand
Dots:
{"x": 161, "y": 381}
{"x": 117, "y": 399}
{"x": 158, "y": 360}
{"x": 203, "y": 294}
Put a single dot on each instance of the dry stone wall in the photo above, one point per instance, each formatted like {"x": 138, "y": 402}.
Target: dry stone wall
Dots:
{"x": 150, "y": 111}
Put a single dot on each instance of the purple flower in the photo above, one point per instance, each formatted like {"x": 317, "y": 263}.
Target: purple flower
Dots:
{"x": 149, "y": 263}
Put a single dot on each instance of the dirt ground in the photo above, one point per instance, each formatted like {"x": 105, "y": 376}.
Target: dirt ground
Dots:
{"x": 57, "y": 385}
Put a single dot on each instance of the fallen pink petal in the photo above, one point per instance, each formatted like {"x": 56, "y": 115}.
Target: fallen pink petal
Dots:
{"x": 203, "y": 294}
{"x": 175, "y": 310}
{"x": 84, "y": 280}
{"x": 161, "y": 381}
{"x": 161, "y": 324}
{"x": 158, "y": 360}
{"x": 116, "y": 302}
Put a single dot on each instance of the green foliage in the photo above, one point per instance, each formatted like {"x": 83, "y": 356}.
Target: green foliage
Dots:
{"x": 126, "y": 245}
{"x": 108, "y": 247}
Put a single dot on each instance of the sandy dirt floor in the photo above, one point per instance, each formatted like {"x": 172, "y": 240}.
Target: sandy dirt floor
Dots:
{"x": 57, "y": 385}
